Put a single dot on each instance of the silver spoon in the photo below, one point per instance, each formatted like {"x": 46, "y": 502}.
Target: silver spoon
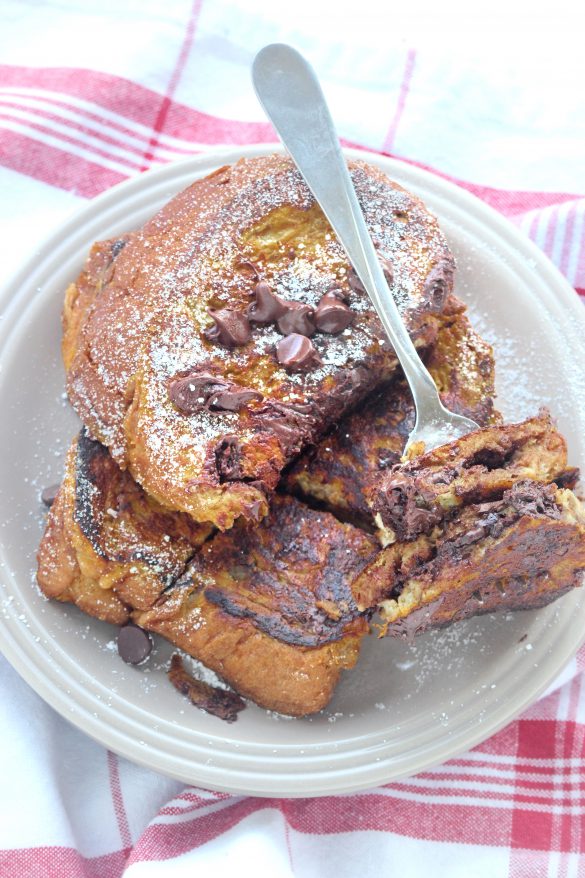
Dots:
{"x": 289, "y": 91}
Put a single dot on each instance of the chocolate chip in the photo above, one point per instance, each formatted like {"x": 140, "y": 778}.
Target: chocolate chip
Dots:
{"x": 298, "y": 319}
{"x": 338, "y": 293}
{"x": 352, "y": 381}
{"x": 439, "y": 283}
{"x": 293, "y": 424}
{"x": 231, "y": 329}
{"x": 227, "y": 458}
{"x": 192, "y": 393}
{"x": 134, "y": 644}
{"x": 267, "y": 307}
{"x": 297, "y": 353}
{"x": 49, "y": 494}
{"x": 233, "y": 400}
{"x": 354, "y": 282}
{"x": 332, "y": 315}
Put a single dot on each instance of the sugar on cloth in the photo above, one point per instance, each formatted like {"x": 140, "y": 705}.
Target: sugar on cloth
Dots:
{"x": 91, "y": 94}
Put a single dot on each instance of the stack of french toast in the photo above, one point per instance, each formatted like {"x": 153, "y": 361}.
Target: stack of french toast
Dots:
{"x": 239, "y": 485}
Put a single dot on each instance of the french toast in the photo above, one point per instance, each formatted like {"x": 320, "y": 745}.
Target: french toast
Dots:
{"x": 416, "y": 495}
{"x": 279, "y": 608}
{"x": 269, "y": 607}
{"x": 516, "y": 553}
{"x": 229, "y": 341}
{"x": 208, "y": 348}
{"x": 483, "y": 523}
{"x": 108, "y": 547}
{"x": 340, "y": 471}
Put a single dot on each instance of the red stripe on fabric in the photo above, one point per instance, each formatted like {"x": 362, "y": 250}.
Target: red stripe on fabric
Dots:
{"x": 402, "y": 95}
{"x": 164, "y": 841}
{"x": 533, "y": 226}
{"x": 135, "y": 102}
{"x": 282, "y": 803}
{"x": 194, "y": 803}
{"x": 43, "y": 125}
{"x": 507, "y": 201}
{"x": 59, "y": 862}
{"x": 552, "y": 830}
{"x": 570, "y": 830}
{"x": 54, "y": 166}
{"x": 118, "y": 800}
{"x": 159, "y": 122}
{"x": 543, "y": 784}
{"x": 580, "y": 271}
{"x": 332, "y": 815}
{"x": 84, "y": 113}
{"x": 469, "y": 766}
{"x": 552, "y": 218}
{"x": 523, "y": 795}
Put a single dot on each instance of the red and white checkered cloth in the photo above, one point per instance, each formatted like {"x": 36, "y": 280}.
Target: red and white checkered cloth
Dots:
{"x": 91, "y": 94}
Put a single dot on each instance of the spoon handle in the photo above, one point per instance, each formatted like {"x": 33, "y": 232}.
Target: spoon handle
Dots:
{"x": 289, "y": 91}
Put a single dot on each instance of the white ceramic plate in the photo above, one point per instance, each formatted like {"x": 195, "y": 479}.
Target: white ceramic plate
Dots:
{"x": 404, "y": 708}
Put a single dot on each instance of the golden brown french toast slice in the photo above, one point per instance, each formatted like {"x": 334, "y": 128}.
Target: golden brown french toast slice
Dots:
{"x": 208, "y": 348}
{"x": 270, "y": 608}
{"x": 521, "y": 551}
{"x": 107, "y": 546}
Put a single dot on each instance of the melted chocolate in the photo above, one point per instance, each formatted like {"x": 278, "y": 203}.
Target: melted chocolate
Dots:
{"x": 234, "y": 399}
{"x": 297, "y": 319}
{"x": 221, "y": 703}
{"x": 232, "y": 328}
{"x": 192, "y": 393}
{"x": 293, "y": 425}
{"x": 228, "y": 459}
{"x": 268, "y": 307}
{"x": 439, "y": 283}
{"x": 332, "y": 315}
{"x": 297, "y": 353}
{"x": 200, "y": 390}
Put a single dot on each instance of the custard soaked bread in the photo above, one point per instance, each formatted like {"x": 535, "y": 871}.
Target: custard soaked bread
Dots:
{"x": 208, "y": 348}
{"x": 269, "y": 607}
{"x": 278, "y": 609}
{"x": 341, "y": 470}
{"x": 108, "y": 547}
{"x": 484, "y": 523}
{"x": 205, "y": 353}
{"x": 517, "y": 553}
{"x": 415, "y": 496}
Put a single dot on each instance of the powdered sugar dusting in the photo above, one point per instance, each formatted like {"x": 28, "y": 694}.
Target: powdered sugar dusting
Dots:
{"x": 188, "y": 259}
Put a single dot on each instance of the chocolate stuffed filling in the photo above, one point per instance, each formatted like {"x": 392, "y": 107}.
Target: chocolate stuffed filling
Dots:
{"x": 418, "y": 495}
